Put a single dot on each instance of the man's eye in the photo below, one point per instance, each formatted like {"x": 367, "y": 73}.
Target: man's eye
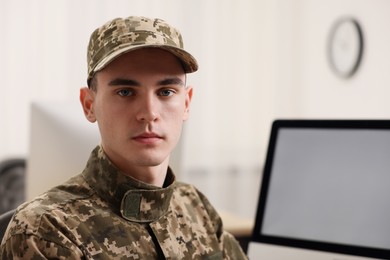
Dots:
{"x": 166, "y": 92}
{"x": 125, "y": 92}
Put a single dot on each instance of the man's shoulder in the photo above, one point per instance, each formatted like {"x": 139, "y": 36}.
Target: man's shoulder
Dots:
{"x": 190, "y": 191}
{"x": 52, "y": 203}
{"x": 189, "y": 194}
{"x": 186, "y": 189}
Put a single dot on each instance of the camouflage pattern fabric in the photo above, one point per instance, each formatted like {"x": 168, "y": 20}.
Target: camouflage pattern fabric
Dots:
{"x": 103, "y": 214}
{"x": 122, "y": 35}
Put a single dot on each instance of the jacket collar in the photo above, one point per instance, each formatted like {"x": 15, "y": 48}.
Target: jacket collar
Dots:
{"x": 135, "y": 200}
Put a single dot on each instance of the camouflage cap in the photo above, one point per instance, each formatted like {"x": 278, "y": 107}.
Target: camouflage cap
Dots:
{"x": 122, "y": 35}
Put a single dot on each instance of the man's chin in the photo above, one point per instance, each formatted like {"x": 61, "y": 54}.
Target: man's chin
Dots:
{"x": 152, "y": 161}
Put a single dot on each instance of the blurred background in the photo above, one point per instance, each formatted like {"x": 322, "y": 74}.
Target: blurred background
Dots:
{"x": 259, "y": 60}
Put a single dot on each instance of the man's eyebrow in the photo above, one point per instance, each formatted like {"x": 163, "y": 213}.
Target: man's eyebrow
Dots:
{"x": 171, "y": 81}
{"x": 123, "y": 82}
{"x": 134, "y": 83}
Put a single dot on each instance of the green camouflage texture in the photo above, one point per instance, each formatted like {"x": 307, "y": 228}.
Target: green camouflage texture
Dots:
{"x": 103, "y": 214}
{"x": 122, "y": 35}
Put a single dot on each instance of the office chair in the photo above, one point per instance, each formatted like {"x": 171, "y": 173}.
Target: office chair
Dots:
{"x": 5, "y": 218}
{"x": 12, "y": 183}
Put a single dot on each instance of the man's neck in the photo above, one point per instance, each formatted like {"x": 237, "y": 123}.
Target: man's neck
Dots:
{"x": 152, "y": 175}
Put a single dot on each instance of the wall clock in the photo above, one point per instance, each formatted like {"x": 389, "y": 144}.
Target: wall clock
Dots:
{"x": 345, "y": 48}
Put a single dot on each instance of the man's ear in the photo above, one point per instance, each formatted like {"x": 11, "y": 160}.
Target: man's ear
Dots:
{"x": 187, "y": 103}
{"x": 86, "y": 98}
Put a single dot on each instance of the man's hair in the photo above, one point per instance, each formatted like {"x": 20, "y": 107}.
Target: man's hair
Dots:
{"x": 92, "y": 84}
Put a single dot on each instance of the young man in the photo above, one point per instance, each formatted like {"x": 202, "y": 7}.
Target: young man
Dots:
{"x": 126, "y": 203}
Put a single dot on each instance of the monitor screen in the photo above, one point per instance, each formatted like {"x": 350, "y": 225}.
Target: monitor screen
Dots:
{"x": 326, "y": 186}
{"x": 61, "y": 140}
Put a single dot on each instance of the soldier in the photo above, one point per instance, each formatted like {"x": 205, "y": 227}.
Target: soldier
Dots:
{"x": 126, "y": 204}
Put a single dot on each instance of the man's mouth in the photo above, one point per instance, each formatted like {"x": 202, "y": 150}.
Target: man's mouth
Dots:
{"x": 148, "y": 138}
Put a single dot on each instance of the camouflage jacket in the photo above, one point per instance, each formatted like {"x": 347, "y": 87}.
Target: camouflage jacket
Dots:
{"x": 103, "y": 214}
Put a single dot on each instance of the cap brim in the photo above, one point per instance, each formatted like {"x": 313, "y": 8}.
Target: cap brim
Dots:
{"x": 189, "y": 62}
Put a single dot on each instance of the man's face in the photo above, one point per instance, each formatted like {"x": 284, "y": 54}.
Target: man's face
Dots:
{"x": 140, "y": 104}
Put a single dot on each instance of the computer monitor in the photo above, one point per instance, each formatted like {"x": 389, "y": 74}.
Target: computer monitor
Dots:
{"x": 61, "y": 140}
{"x": 325, "y": 192}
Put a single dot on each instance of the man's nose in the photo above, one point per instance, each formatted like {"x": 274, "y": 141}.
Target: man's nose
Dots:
{"x": 148, "y": 109}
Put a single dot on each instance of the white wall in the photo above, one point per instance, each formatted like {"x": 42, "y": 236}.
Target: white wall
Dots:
{"x": 311, "y": 88}
{"x": 289, "y": 76}
{"x": 259, "y": 60}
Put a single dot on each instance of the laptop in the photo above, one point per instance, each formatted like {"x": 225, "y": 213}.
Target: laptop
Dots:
{"x": 325, "y": 192}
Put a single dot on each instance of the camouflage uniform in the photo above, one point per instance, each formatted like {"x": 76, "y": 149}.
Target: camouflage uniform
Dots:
{"x": 103, "y": 214}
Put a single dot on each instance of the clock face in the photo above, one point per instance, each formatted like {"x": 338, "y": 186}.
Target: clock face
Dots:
{"x": 345, "y": 47}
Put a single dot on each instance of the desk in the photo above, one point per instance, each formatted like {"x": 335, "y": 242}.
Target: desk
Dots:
{"x": 241, "y": 228}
